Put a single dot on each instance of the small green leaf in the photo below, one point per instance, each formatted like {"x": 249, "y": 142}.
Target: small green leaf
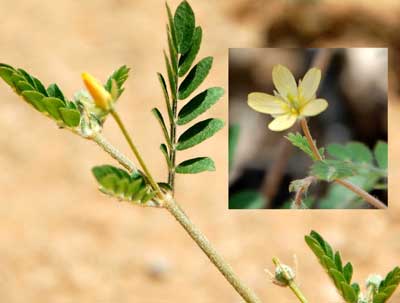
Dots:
{"x": 71, "y": 117}
{"x": 337, "y": 278}
{"x": 186, "y": 61}
{"x": 199, "y": 104}
{"x": 381, "y": 154}
{"x": 349, "y": 293}
{"x": 330, "y": 170}
{"x": 23, "y": 85}
{"x": 301, "y": 142}
{"x": 171, "y": 77}
{"x": 166, "y": 96}
{"x": 6, "y": 74}
{"x": 195, "y": 165}
{"x": 54, "y": 91}
{"x": 119, "y": 76}
{"x": 52, "y": 105}
{"x": 172, "y": 53}
{"x": 164, "y": 150}
{"x": 198, "y": 133}
{"x": 160, "y": 119}
{"x": 35, "y": 98}
{"x": 28, "y": 78}
{"x": 348, "y": 272}
{"x": 356, "y": 288}
{"x": 184, "y": 22}
{"x": 171, "y": 26}
{"x": 338, "y": 262}
{"x": 39, "y": 86}
{"x": 353, "y": 151}
{"x": 195, "y": 77}
{"x": 388, "y": 286}
{"x": 247, "y": 199}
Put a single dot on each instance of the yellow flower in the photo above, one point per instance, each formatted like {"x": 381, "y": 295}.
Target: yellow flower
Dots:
{"x": 291, "y": 101}
{"x": 102, "y": 98}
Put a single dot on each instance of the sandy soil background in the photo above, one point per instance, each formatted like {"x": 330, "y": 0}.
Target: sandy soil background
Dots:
{"x": 63, "y": 241}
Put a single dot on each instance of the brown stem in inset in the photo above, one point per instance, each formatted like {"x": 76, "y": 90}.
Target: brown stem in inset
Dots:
{"x": 358, "y": 191}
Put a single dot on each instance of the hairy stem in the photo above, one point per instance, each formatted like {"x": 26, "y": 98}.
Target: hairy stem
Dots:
{"x": 226, "y": 270}
{"x": 170, "y": 204}
{"x": 135, "y": 151}
{"x": 357, "y": 190}
{"x": 113, "y": 152}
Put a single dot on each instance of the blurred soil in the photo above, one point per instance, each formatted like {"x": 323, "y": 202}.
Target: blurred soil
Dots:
{"x": 63, "y": 241}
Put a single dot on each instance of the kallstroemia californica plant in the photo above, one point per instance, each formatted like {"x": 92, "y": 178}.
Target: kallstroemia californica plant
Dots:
{"x": 292, "y": 102}
{"x": 86, "y": 113}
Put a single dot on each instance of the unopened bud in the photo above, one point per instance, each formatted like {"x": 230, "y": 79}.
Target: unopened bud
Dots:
{"x": 100, "y": 95}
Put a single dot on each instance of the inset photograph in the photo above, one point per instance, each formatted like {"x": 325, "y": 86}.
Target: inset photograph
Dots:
{"x": 308, "y": 128}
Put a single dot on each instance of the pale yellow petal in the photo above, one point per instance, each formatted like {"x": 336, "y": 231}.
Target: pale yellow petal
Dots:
{"x": 282, "y": 122}
{"x": 284, "y": 81}
{"x": 266, "y": 104}
{"x": 314, "y": 107}
{"x": 309, "y": 85}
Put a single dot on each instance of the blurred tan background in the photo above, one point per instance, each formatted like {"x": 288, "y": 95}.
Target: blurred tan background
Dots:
{"x": 63, "y": 241}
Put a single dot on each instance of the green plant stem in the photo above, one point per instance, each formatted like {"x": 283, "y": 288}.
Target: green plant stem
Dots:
{"x": 357, "y": 190}
{"x": 171, "y": 171}
{"x": 176, "y": 211}
{"x": 135, "y": 151}
{"x": 226, "y": 270}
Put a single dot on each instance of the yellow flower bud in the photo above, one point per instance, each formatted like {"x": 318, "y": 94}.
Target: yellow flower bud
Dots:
{"x": 100, "y": 95}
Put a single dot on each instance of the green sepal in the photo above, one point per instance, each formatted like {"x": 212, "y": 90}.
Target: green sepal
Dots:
{"x": 199, "y": 104}
{"x": 198, "y": 133}
{"x": 195, "y": 166}
{"x": 195, "y": 78}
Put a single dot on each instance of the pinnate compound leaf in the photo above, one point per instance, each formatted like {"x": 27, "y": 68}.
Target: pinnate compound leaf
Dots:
{"x": 120, "y": 184}
{"x": 381, "y": 154}
{"x": 199, "y": 104}
{"x": 195, "y": 166}
{"x": 332, "y": 263}
{"x": 50, "y": 101}
{"x": 184, "y": 22}
{"x": 301, "y": 142}
{"x": 330, "y": 170}
{"x": 119, "y": 76}
{"x": 186, "y": 61}
{"x": 195, "y": 77}
{"x": 198, "y": 133}
{"x": 388, "y": 286}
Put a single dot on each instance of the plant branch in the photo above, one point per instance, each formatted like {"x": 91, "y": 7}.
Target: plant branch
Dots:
{"x": 135, "y": 151}
{"x": 226, "y": 270}
{"x": 175, "y": 210}
{"x": 357, "y": 190}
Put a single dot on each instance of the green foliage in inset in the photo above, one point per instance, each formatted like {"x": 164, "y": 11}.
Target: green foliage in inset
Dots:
{"x": 118, "y": 77}
{"x": 301, "y": 142}
{"x": 195, "y": 165}
{"x": 331, "y": 261}
{"x": 184, "y": 78}
{"x": 120, "y": 184}
{"x": 234, "y": 131}
{"x": 247, "y": 199}
{"x": 50, "y": 101}
{"x": 330, "y": 170}
{"x": 381, "y": 154}
{"x": 387, "y": 286}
